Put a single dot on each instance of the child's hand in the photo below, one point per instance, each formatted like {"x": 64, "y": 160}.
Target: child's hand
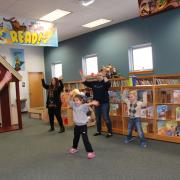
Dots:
{"x": 106, "y": 79}
{"x": 95, "y": 103}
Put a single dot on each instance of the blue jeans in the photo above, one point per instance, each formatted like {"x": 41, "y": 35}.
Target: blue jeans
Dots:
{"x": 135, "y": 122}
{"x": 103, "y": 109}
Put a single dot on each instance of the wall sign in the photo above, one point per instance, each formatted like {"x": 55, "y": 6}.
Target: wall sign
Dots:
{"x": 25, "y": 32}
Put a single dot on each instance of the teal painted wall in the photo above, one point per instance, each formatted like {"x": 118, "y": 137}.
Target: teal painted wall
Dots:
{"x": 111, "y": 45}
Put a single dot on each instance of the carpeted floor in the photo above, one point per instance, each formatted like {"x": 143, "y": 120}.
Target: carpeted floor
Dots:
{"x": 35, "y": 154}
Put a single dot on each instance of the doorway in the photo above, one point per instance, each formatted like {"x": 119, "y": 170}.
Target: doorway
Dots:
{"x": 36, "y": 94}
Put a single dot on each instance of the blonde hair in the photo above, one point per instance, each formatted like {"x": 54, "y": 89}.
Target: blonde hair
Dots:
{"x": 133, "y": 92}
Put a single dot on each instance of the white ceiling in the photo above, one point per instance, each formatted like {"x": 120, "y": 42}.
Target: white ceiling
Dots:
{"x": 70, "y": 25}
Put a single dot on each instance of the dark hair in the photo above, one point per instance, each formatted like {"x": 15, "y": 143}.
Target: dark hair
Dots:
{"x": 56, "y": 83}
{"x": 80, "y": 97}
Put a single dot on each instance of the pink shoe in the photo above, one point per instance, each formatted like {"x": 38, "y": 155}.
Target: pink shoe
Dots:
{"x": 73, "y": 151}
{"x": 91, "y": 155}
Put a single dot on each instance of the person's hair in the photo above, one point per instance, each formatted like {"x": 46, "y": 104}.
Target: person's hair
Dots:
{"x": 80, "y": 97}
{"x": 56, "y": 83}
{"x": 133, "y": 92}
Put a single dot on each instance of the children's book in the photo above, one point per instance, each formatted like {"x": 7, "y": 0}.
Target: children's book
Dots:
{"x": 144, "y": 126}
{"x": 177, "y": 113}
{"x": 150, "y": 112}
{"x": 143, "y": 113}
{"x": 115, "y": 96}
{"x": 161, "y": 125}
{"x": 162, "y": 112}
{"x": 177, "y": 131}
{"x": 171, "y": 128}
{"x": 176, "y": 96}
{"x": 167, "y": 128}
{"x": 114, "y": 109}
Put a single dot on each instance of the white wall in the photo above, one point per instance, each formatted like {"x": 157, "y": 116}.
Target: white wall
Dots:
{"x": 34, "y": 62}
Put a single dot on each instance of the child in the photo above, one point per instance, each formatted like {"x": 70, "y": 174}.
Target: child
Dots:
{"x": 5, "y": 80}
{"x": 80, "y": 118}
{"x": 134, "y": 112}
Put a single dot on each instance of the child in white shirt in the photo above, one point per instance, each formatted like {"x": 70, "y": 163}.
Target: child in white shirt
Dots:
{"x": 134, "y": 112}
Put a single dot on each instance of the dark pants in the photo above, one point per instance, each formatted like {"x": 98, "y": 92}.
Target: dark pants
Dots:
{"x": 103, "y": 109}
{"x": 81, "y": 130}
{"x": 135, "y": 122}
{"x": 55, "y": 112}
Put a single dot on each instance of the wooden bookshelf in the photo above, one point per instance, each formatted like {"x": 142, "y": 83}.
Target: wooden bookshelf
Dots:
{"x": 162, "y": 88}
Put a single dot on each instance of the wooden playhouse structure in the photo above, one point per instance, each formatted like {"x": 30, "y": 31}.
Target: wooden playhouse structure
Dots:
{"x": 10, "y": 110}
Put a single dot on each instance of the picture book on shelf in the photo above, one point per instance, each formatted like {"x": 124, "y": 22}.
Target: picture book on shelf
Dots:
{"x": 167, "y": 128}
{"x": 114, "y": 109}
{"x": 162, "y": 112}
{"x": 176, "y": 96}
{"x": 177, "y": 113}
{"x": 144, "y": 126}
{"x": 143, "y": 113}
{"x": 114, "y": 96}
{"x": 177, "y": 132}
{"x": 150, "y": 112}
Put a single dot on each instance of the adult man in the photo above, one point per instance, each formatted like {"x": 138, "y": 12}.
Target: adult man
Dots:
{"x": 100, "y": 89}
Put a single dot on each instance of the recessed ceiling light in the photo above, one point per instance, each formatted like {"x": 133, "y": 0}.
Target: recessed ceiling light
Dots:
{"x": 96, "y": 23}
{"x": 86, "y": 2}
{"x": 58, "y": 13}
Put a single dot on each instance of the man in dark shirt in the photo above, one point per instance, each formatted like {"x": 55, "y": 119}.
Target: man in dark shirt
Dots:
{"x": 100, "y": 93}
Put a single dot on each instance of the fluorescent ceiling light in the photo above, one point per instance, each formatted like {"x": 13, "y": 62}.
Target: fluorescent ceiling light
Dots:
{"x": 58, "y": 13}
{"x": 86, "y": 2}
{"x": 96, "y": 23}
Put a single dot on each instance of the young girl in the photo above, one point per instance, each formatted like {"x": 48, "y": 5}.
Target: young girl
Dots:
{"x": 53, "y": 102}
{"x": 80, "y": 118}
{"x": 134, "y": 112}
{"x": 5, "y": 80}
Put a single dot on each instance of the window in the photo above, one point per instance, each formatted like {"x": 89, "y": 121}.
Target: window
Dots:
{"x": 56, "y": 70}
{"x": 140, "y": 58}
{"x": 90, "y": 65}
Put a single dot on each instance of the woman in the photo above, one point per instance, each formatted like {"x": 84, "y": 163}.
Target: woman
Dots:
{"x": 53, "y": 102}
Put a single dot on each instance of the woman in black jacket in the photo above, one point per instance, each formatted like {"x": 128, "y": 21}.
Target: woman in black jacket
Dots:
{"x": 53, "y": 102}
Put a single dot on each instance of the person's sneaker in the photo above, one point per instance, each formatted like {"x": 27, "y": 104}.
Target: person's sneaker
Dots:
{"x": 62, "y": 129}
{"x": 143, "y": 145}
{"x": 109, "y": 135}
{"x": 51, "y": 129}
{"x": 73, "y": 151}
{"x": 91, "y": 155}
{"x": 128, "y": 140}
{"x": 97, "y": 134}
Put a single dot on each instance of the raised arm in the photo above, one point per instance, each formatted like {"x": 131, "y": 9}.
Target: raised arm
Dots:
{"x": 94, "y": 102}
{"x": 45, "y": 86}
{"x": 107, "y": 83}
{"x": 70, "y": 99}
{"x": 61, "y": 85}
